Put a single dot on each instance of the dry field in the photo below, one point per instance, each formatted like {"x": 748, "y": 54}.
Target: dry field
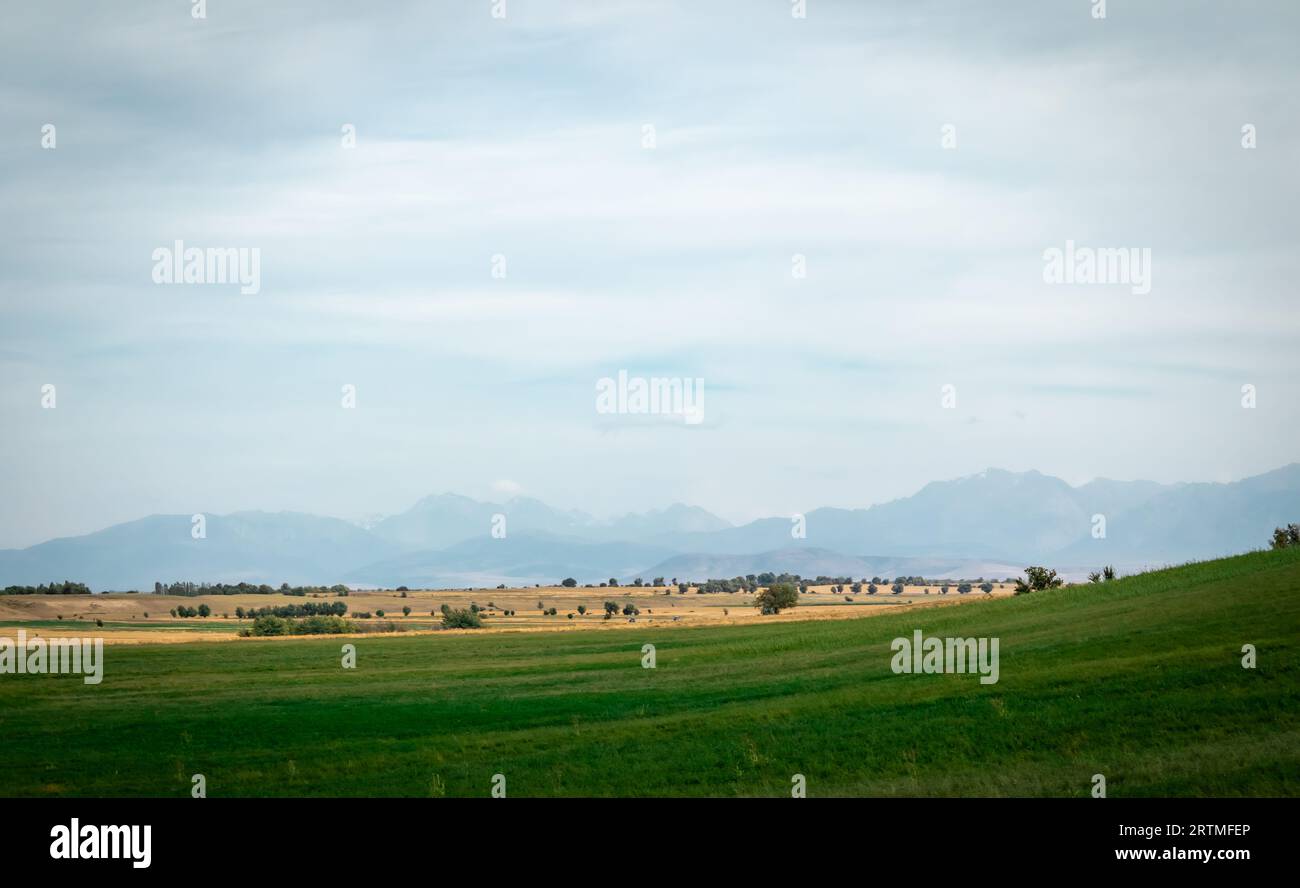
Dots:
{"x": 146, "y": 618}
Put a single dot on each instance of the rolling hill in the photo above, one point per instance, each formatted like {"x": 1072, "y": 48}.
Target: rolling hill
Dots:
{"x": 1140, "y": 680}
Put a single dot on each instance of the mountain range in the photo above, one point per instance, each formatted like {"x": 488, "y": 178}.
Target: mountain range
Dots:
{"x": 989, "y": 524}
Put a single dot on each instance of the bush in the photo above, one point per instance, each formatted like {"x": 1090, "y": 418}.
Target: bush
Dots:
{"x": 269, "y": 625}
{"x": 319, "y": 626}
{"x": 780, "y": 595}
{"x": 1037, "y": 579}
{"x": 569, "y": 582}
{"x": 1286, "y": 537}
{"x": 461, "y": 619}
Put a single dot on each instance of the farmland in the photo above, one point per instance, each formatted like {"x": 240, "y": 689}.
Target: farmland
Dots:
{"x": 143, "y": 619}
{"x": 1140, "y": 679}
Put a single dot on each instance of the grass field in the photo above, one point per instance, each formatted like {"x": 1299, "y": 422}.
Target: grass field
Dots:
{"x": 1140, "y": 680}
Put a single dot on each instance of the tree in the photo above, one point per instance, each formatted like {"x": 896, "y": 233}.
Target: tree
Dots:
{"x": 896, "y": 589}
{"x": 986, "y": 587}
{"x": 1108, "y": 573}
{"x": 461, "y": 619}
{"x": 582, "y": 609}
{"x": 204, "y": 610}
{"x": 1286, "y": 537}
{"x": 872, "y": 589}
{"x": 406, "y": 611}
{"x": 611, "y": 607}
{"x": 777, "y": 596}
{"x": 1038, "y": 579}
{"x": 569, "y": 582}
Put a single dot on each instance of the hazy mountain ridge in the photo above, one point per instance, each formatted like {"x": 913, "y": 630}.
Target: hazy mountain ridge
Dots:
{"x": 978, "y": 524}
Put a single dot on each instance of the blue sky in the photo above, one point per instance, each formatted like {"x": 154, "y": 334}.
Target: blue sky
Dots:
{"x": 522, "y": 137}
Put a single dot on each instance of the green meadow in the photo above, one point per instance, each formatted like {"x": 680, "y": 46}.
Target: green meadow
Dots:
{"x": 1140, "y": 680}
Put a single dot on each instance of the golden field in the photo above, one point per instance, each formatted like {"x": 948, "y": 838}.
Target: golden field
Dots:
{"x": 146, "y": 618}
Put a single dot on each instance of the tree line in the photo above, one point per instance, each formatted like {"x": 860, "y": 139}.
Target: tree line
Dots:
{"x": 67, "y": 587}
{"x": 193, "y": 589}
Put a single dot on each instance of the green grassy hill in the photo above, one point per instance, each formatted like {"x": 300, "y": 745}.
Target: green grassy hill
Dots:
{"x": 1140, "y": 680}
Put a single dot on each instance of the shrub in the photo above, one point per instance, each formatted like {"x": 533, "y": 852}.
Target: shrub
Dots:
{"x": 569, "y": 582}
{"x": 269, "y": 625}
{"x": 461, "y": 619}
{"x": 320, "y": 626}
{"x": 1037, "y": 579}
{"x": 1286, "y": 537}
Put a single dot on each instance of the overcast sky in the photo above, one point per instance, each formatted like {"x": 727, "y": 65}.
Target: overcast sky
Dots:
{"x": 524, "y": 137}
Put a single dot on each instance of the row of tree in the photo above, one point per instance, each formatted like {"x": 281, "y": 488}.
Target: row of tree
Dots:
{"x": 192, "y": 589}
{"x": 67, "y": 587}
{"x": 306, "y": 609}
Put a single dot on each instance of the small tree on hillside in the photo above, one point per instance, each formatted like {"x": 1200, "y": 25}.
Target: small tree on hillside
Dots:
{"x": 1037, "y": 579}
{"x": 1286, "y": 537}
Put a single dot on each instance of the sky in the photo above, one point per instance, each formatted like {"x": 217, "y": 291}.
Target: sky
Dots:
{"x": 838, "y": 216}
